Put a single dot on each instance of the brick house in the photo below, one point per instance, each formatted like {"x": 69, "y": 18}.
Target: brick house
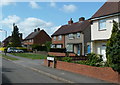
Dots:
{"x": 6, "y": 41}
{"x": 75, "y": 37}
{"x": 39, "y": 37}
{"x": 101, "y": 27}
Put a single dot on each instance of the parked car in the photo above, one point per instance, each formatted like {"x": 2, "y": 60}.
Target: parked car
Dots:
{"x": 14, "y": 50}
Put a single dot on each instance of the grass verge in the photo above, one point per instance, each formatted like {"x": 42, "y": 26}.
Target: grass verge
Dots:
{"x": 8, "y": 57}
{"x": 30, "y": 55}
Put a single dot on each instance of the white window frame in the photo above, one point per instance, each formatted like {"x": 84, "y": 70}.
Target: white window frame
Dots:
{"x": 69, "y": 47}
{"x": 60, "y": 37}
{"x": 54, "y": 38}
{"x": 71, "y": 36}
{"x": 102, "y": 24}
{"x": 78, "y": 35}
{"x": 58, "y": 46}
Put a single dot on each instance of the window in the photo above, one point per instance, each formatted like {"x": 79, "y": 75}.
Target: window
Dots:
{"x": 70, "y": 36}
{"x": 78, "y": 35}
{"x": 58, "y": 46}
{"x": 70, "y": 48}
{"x": 54, "y": 38}
{"x": 60, "y": 37}
{"x": 52, "y": 46}
{"x": 102, "y": 24}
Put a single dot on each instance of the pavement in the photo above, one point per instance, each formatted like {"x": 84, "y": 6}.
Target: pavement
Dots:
{"x": 64, "y": 76}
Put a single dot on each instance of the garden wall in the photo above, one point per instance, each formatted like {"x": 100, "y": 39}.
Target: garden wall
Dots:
{"x": 103, "y": 73}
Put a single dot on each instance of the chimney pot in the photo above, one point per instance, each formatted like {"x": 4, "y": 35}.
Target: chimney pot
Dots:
{"x": 38, "y": 29}
{"x": 81, "y": 19}
{"x": 35, "y": 30}
{"x": 70, "y": 22}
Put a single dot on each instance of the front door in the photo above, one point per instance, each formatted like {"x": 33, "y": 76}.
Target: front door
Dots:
{"x": 103, "y": 52}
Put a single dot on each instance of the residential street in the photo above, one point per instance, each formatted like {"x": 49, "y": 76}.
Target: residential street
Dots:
{"x": 13, "y": 73}
{"x": 32, "y": 71}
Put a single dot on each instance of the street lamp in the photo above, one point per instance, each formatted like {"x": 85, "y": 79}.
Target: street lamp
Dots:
{"x": 2, "y": 30}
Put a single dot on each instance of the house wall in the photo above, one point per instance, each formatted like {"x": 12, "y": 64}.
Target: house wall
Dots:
{"x": 74, "y": 41}
{"x": 27, "y": 42}
{"x": 96, "y": 34}
{"x": 96, "y": 46}
{"x": 59, "y": 41}
{"x": 87, "y": 38}
{"x": 41, "y": 38}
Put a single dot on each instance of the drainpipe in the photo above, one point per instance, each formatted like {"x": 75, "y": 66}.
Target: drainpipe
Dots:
{"x": 83, "y": 45}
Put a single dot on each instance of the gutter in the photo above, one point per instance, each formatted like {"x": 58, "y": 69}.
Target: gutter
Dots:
{"x": 116, "y": 14}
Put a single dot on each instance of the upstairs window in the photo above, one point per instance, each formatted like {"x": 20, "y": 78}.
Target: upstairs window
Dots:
{"x": 54, "y": 38}
{"x": 78, "y": 35}
{"x": 60, "y": 37}
{"x": 102, "y": 24}
{"x": 70, "y": 36}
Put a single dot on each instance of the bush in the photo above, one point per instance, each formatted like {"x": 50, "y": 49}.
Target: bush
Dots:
{"x": 39, "y": 47}
{"x": 66, "y": 59}
{"x": 92, "y": 60}
{"x": 61, "y": 50}
{"x": 48, "y": 45}
{"x": 113, "y": 48}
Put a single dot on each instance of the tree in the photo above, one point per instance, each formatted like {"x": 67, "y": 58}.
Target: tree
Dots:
{"x": 113, "y": 48}
{"x": 15, "y": 39}
{"x": 48, "y": 45}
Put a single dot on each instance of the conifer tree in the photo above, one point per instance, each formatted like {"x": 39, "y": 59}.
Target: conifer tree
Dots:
{"x": 15, "y": 39}
{"x": 113, "y": 48}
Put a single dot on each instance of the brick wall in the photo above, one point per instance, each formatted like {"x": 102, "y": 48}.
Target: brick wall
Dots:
{"x": 59, "y": 41}
{"x": 60, "y": 54}
{"x": 103, "y": 73}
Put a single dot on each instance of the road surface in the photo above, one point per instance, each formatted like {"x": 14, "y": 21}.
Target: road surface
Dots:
{"x": 13, "y": 73}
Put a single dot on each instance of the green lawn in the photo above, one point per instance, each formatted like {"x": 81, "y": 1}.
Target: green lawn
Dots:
{"x": 30, "y": 55}
{"x": 8, "y": 57}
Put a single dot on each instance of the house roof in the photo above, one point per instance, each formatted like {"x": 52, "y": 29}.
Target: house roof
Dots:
{"x": 7, "y": 39}
{"x": 32, "y": 35}
{"x": 75, "y": 27}
{"x": 107, "y": 9}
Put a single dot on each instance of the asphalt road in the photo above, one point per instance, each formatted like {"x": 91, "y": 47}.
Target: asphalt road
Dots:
{"x": 14, "y": 73}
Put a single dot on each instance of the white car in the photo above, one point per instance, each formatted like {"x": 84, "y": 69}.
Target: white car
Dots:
{"x": 14, "y": 50}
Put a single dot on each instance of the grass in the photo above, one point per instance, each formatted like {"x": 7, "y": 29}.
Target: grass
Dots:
{"x": 8, "y": 57}
{"x": 30, "y": 55}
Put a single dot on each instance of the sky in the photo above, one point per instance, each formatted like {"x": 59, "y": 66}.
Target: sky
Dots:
{"x": 45, "y": 15}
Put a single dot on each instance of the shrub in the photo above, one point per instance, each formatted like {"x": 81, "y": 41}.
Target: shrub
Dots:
{"x": 66, "y": 59}
{"x": 61, "y": 50}
{"x": 93, "y": 60}
{"x": 48, "y": 45}
{"x": 113, "y": 48}
{"x": 39, "y": 47}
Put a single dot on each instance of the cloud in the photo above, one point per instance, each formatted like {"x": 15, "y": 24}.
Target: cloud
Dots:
{"x": 6, "y": 2}
{"x": 69, "y": 8}
{"x": 34, "y": 5}
{"x": 27, "y": 25}
{"x": 7, "y": 22}
{"x": 52, "y": 4}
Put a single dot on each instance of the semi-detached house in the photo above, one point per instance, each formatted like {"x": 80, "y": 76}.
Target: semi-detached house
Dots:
{"x": 75, "y": 37}
{"x": 101, "y": 27}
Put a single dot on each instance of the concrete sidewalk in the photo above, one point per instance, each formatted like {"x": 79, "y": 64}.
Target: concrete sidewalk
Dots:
{"x": 69, "y": 77}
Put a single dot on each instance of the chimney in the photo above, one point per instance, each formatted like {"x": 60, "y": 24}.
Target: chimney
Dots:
{"x": 70, "y": 22}
{"x": 38, "y": 29}
{"x": 35, "y": 30}
{"x": 81, "y": 19}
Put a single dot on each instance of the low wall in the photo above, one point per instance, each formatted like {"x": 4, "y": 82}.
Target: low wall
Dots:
{"x": 60, "y": 54}
{"x": 103, "y": 73}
